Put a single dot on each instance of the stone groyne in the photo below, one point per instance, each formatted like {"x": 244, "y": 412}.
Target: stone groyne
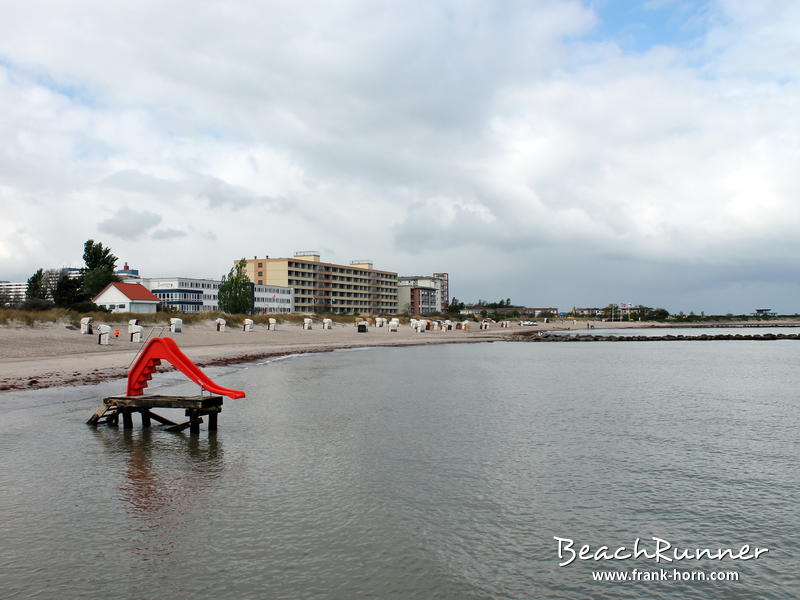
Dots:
{"x": 555, "y": 337}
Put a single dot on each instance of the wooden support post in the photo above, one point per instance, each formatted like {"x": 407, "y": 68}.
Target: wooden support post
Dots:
{"x": 194, "y": 421}
{"x": 212, "y": 421}
{"x": 145, "y": 417}
{"x": 127, "y": 418}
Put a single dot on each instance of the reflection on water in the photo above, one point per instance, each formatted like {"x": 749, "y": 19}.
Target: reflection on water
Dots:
{"x": 431, "y": 472}
{"x": 159, "y": 496}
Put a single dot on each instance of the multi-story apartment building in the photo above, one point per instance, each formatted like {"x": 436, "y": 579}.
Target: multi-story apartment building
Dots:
{"x": 445, "y": 279}
{"x": 12, "y": 293}
{"x": 272, "y": 299}
{"x": 188, "y": 295}
{"x": 417, "y": 300}
{"x": 423, "y": 294}
{"x": 321, "y": 287}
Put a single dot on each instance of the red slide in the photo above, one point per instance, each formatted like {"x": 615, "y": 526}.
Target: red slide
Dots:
{"x": 158, "y": 349}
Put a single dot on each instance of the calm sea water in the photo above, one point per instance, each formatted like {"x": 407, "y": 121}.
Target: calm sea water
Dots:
{"x": 428, "y": 472}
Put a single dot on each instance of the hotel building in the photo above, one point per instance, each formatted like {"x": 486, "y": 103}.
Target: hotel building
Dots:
{"x": 321, "y": 287}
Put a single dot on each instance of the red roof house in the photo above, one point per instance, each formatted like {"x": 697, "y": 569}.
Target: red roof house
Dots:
{"x": 126, "y": 297}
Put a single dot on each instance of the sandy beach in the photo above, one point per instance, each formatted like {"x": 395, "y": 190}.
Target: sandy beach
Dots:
{"x": 53, "y": 354}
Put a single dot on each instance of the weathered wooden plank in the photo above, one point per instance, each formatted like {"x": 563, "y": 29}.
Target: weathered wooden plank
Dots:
{"x": 166, "y": 397}
{"x": 182, "y": 426}
{"x": 110, "y": 417}
{"x": 202, "y": 411}
{"x": 97, "y": 414}
{"x": 160, "y": 419}
{"x": 191, "y": 402}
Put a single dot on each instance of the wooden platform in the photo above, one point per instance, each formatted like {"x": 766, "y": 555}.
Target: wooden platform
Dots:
{"x": 195, "y": 407}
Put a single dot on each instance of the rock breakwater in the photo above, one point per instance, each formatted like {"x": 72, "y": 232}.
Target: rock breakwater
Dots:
{"x": 544, "y": 336}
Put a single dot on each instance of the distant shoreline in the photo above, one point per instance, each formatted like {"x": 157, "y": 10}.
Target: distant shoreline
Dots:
{"x": 51, "y": 354}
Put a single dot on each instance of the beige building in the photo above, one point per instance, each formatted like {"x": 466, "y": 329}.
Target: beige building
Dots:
{"x": 327, "y": 287}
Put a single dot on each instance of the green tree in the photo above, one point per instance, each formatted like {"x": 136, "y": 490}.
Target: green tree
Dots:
{"x": 659, "y": 314}
{"x": 36, "y": 288}
{"x": 97, "y": 256}
{"x": 454, "y": 307}
{"x": 235, "y": 294}
{"x": 68, "y": 291}
{"x": 611, "y": 312}
{"x": 95, "y": 280}
{"x": 99, "y": 269}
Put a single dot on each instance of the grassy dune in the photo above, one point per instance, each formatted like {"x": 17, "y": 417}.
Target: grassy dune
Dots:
{"x": 10, "y": 316}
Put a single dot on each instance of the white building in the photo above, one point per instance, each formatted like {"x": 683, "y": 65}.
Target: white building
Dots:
{"x": 188, "y": 295}
{"x": 272, "y": 299}
{"x": 126, "y": 297}
{"x": 127, "y": 272}
{"x": 587, "y": 312}
{"x": 12, "y": 293}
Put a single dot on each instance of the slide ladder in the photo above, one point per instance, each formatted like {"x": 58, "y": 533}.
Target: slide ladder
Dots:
{"x": 158, "y": 349}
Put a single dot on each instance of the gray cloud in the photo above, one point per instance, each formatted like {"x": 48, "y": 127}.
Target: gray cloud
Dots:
{"x": 213, "y": 191}
{"x": 129, "y": 224}
{"x": 219, "y": 194}
{"x": 168, "y": 234}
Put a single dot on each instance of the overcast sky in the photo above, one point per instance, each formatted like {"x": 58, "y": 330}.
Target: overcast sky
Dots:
{"x": 560, "y": 153}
